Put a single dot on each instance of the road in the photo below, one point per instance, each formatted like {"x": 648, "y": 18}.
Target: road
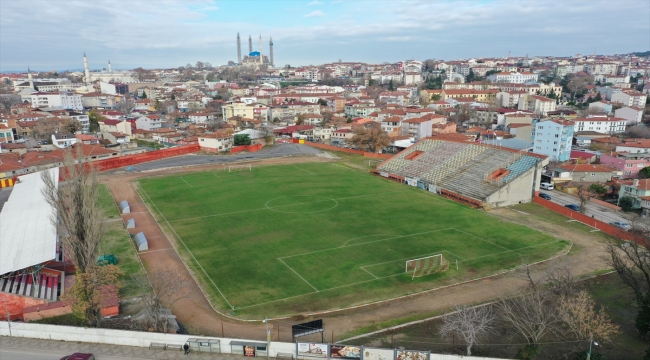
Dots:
{"x": 278, "y": 150}
{"x": 599, "y": 212}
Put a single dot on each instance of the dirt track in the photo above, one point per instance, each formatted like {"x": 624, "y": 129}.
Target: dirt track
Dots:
{"x": 200, "y": 318}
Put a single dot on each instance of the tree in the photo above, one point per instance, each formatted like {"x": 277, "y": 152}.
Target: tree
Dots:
{"x": 45, "y": 128}
{"x": 300, "y": 119}
{"x": 162, "y": 290}
{"x": 370, "y": 137}
{"x": 596, "y": 190}
{"x": 173, "y": 97}
{"x": 586, "y": 193}
{"x": 626, "y": 203}
{"x": 598, "y": 97}
{"x": 391, "y": 87}
{"x": 126, "y": 105}
{"x": 580, "y": 316}
{"x": 94, "y": 118}
{"x": 644, "y": 173}
{"x": 242, "y": 139}
{"x": 322, "y": 102}
{"x": 80, "y": 223}
{"x": 144, "y": 95}
{"x": 72, "y": 125}
{"x": 469, "y": 323}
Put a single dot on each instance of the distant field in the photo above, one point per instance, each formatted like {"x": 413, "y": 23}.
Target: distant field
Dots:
{"x": 287, "y": 239}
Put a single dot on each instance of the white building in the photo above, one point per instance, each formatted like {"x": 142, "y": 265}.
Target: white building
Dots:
{"x": 632, "y": 115}
{"x": 614, "y": 79}
{"x": 509, "y": 98}
{"x": 62, "y": 141}
{"x": 63, "y": 99}
{"x": 513, "y": 77}
{"x": 630, "y": 98}
{"x": 601, "y": 124}
{"x": 216, "y": 142}
{"x": 553, "y": 138}
{"x": 536, "y": 104}
{"x": 148, "y": 123}
{"x": 83, "y": 119}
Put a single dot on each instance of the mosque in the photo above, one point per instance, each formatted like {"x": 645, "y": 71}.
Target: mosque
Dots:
{"x": 254, "y": 58}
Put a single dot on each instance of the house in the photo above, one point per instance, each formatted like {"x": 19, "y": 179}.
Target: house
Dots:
{"x": 149, "y": 122}
{"x": 632, "y": 115}
{"x": 216, "y": 142}
{"x": 553, "y": 138}
{"x": 585, "y": 172}
{"x": 256, "y": 136}
{"x": 115, "y": 126}
{"x": 322, "y": 133}
{"x": 521, "y": 131}
{"x": 630, "y": 98}
{"x": 117, "y": 137}
{"x": 628, "y": 163}
{"x": 60, "y": 99}
{"x": 536, "y": 104}
{"x": 602, "y": 106}
{"x": 6, "y": 134}
{"x": 341, "y": 136}
{"x": 63, "y": 140}
{"x": 445, "y": 128}
{"x": 600, "y": 124}
{"x": 583, "y": 157}
{"x": 639, "y": 190}
{"x": 87, "y": 139}
{"x": 200, "y": 117}
{"x": 400, "y": 98}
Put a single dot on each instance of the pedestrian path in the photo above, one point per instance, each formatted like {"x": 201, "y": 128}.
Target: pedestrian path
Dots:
{"x": 106, "y": 350}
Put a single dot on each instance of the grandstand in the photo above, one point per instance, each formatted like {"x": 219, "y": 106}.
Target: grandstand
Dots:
{"x": 471, "y": 173}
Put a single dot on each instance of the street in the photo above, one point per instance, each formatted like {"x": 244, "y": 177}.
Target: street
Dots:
{"x": 18, "y": 354}
{"x": 599, "y": 212}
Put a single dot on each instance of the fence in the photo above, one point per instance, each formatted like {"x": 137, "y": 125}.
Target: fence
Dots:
{"x": 249, "y": 148}
{"x": 349, "y": 151}
{"x": 146, "y": 339}
{"x": 604, "y": 227}
{"x": 128, "y": 160}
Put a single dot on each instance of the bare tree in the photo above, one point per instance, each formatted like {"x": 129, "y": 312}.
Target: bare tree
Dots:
{"x": 161, "y": 291}
{"x": 533, "y": 314}
{"x": 579, "y": 314}
{"x": 80, "y": 223}
{"x": 370, "y": 137}
{"x": 126, "y": 105}
{"x": 469, "y": 323}
{"x": 583, "y": 196}
{"x": 45, "y": 128}
{"x": 72, "y": 125}
{"x": 631, "y": 260}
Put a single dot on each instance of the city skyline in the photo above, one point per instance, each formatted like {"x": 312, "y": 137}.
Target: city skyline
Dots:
{"x": 310, "y": 32}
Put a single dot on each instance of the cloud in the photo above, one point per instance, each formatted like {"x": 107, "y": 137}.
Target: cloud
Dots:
{"x": 315, "y": 13}
{"x": 315, "y": 2}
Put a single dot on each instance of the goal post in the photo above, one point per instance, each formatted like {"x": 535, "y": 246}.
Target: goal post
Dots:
{"x": 234, "y": 168}
{"x": 426, "y": 265}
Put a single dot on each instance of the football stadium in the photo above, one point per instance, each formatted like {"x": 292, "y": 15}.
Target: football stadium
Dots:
{"x": 281, "y": 240}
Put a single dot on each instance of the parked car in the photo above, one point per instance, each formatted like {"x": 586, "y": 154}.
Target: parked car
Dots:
{"x": 573, "y": 207}
{"x": 545, "y": 196}
{"x": 79, "y": 356}
{"x": 621, "y": 225}
{"x": 546, "y": 186}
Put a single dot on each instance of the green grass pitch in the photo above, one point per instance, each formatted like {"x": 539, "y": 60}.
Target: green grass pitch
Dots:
{"x": 287, "y": 239}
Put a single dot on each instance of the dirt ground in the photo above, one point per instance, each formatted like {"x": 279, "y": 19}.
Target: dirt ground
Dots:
{"x": 197, "y": 315}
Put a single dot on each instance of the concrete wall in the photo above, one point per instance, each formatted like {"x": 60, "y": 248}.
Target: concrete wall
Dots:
{"x": 350, "y": 151}
{"x": 519, "y": 190}
{"x": 142, "y": 339}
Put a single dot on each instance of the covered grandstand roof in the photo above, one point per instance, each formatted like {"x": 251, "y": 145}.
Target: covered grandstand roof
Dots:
{"x": 27, "y": 234}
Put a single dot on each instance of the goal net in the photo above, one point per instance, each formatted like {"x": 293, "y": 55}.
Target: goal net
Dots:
{"x": 426, "y": 265}
{"x": 239, "y": 168}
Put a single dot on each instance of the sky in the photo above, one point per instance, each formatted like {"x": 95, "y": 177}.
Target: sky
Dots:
{"x": 53, "y": 34}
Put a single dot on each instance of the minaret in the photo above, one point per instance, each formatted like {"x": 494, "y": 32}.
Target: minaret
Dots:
{"x": 271, "y": 52}
{"x": 250, "y": 44}
{"x": 238, "y": 50}
{"x": 86, "y": 70}
{"x": 29, "y": 77}
{"x": 261, "y": 56}
{"x": 110, "y": 68}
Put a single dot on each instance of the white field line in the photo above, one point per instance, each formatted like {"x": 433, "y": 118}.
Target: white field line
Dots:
{"x": 483, "y": 239}
{"x": 266, "y": 208}
{"x": 367, "y": 242}
{"x": 152, "y": 251}
{"x": 182, "y": 178}
{"x": 365, "y": 236}
{"x": 309, "y": 172}
{"x": 408, "y": 258}
{"x": 403, "y": 296}
{"x": 188, "y": 249}
{"x": 295, "y": 272}
{"x": 373, "y": 275}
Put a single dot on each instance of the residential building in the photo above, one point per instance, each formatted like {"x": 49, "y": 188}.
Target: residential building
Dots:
{"x": 341, "y": 136}
{"x": 585, "y": 172}
{"x": 553, "y": 138}
{"x": 216, "y": 142}
{"x": 628, "y": 163}
{"x": 62, "y": 99}
{"x": 639, "y": 190}
{"x": 200, "y": 117}
{"x": 121, "y": 126}
{"x": 62, "y": 141}
{"x": 513, "y": 77}
{"x": 97, "y": 100}
{"x": 602, "y": 106}
{"x": 291, "y": 109}
{"x": 360, "y": 109}
{"x": 400, "y": 98}
{"x": 477, "y": 95}
{"x": 6, "y": 134}
{"x": 418, "y": 128}
{"x": 149, "y": 123}
{"x": 600, "y": 124}
{"x": 537, "y": 104}
{"x": 522, "y": 131}
{"x": 613, "y": 79}
{"x": 632, "y": 115}
{"x": 509, "y": 98}
{"x": 630, "y": 98}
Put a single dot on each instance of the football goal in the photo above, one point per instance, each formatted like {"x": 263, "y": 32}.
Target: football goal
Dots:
{"x": 426, "y": 265}
{"x": 234, "y": 168}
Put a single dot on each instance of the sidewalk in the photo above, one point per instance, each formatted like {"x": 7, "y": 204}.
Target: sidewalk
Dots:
{"x": 106, "y": 350}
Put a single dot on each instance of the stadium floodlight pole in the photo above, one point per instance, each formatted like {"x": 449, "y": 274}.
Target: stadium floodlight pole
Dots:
{"x": 268, "y": 338}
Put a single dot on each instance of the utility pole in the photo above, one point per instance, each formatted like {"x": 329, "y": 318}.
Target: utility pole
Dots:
{"x": 8, "y": 321}
{"x": 268, "y": 338}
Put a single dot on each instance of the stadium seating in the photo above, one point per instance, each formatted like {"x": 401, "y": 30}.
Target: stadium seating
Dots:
{"x": 460, "y": 167}
{"x": 38, "y": 285}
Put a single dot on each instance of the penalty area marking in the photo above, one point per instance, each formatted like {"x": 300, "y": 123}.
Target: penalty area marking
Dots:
{"x": 295, "y": 272}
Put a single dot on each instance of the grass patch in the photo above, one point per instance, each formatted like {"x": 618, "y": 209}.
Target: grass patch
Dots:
{"x": 117, "y": 241}
{"x": 65, "y": 319}
{"x": 290, "y": 239}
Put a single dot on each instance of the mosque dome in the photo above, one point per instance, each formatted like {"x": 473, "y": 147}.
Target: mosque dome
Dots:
{"x": 254, "y": 53}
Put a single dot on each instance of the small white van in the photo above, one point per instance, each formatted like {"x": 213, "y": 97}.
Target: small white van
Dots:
{"x": 546, "y": 186}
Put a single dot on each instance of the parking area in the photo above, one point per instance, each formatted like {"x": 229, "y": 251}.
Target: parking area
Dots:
{"x": 598, "y": 212}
